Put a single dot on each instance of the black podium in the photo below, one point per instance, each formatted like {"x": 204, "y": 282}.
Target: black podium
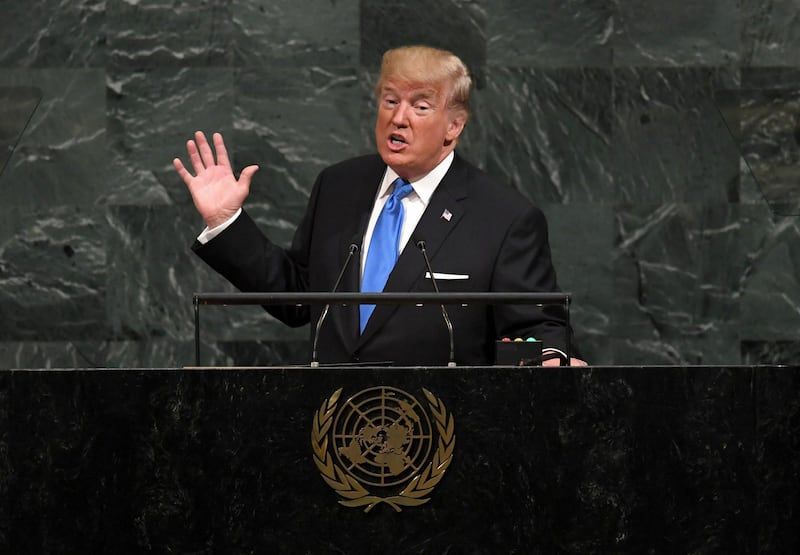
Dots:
{"x": 568, "y": 460}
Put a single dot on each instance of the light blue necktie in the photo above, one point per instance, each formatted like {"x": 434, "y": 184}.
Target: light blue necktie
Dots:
{"x": 383, "y": 247}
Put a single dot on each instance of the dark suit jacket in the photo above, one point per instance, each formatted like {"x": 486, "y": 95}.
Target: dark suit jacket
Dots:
{"x": 495, "y": 236}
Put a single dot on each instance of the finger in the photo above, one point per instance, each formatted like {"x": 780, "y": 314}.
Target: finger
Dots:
{"x": 194, "y": 157}
{"x": 182, "y": 171}
{"x": 222, "y": 152}
{"x": 205, "y": 150}
{"x": 246, "y": 176}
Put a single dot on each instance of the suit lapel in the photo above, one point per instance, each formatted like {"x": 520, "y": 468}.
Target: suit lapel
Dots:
{"x": 433, "y": 228}
{"x": 354, "y": 227}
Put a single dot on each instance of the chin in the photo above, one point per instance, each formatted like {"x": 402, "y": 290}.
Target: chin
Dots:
{"x": 393, "y": 159}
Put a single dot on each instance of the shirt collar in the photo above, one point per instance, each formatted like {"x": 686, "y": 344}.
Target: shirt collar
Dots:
{"x": 423, "y": 186}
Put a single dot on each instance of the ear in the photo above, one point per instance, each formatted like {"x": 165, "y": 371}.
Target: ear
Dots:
{"x": 455, "y": 126}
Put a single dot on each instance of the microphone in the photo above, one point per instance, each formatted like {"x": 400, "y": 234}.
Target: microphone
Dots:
{"x": 352, "y": 250}
{"x": 452, "y": 362}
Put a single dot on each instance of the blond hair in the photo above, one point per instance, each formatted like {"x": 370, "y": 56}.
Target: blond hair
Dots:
{"x": 427, "y": 65}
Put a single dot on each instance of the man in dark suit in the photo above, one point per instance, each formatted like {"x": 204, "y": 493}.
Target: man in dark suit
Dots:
{"x": 479, "y": 236}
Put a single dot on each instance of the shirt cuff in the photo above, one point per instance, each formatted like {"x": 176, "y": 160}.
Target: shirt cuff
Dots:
{"x": 208, "y": 234}
{"x": 550, "y": 350}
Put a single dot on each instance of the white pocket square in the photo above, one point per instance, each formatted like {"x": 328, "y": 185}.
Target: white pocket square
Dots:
{"x": 438, "y": 275}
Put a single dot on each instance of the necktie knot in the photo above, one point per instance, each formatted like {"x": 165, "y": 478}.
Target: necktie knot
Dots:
{"x": 400, "y": 190}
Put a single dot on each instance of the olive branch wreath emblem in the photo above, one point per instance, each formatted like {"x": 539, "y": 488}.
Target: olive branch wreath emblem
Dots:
{"x": 356, "y": 495}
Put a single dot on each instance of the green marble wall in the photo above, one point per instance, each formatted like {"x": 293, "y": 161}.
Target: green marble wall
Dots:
{"x": 660, "y": 139}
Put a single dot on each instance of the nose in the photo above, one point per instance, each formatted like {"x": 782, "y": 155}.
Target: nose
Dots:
{"x": 400, "y": 114}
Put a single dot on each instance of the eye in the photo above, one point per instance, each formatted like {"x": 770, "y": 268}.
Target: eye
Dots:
{"x": 422, "y": 107}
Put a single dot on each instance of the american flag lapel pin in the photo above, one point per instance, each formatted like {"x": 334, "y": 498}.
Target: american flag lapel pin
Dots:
{"x": 446, "y": 215}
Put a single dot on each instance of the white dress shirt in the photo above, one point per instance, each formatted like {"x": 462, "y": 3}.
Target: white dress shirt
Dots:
{"x": 414, "y": 204}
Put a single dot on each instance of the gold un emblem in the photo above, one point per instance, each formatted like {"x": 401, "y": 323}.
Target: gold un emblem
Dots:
{"x": 381, "y": 446}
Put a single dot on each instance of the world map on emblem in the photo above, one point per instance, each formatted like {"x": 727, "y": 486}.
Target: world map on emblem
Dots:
{"x": 382, "y": 436}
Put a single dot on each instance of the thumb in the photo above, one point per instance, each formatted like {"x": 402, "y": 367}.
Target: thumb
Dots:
{"x": 247, "y": 175}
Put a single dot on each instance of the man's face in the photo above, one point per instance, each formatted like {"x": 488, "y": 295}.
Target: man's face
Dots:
{"x": 414, "y": 129}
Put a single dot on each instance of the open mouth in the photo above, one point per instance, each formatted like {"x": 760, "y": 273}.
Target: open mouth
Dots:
{"x": 396, "y": 140}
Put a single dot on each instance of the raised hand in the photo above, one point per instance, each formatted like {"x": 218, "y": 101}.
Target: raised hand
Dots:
{"x": 216, "y": 192}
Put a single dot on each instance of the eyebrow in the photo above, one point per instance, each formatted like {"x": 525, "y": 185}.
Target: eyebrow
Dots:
{"x": 426, "y": 93}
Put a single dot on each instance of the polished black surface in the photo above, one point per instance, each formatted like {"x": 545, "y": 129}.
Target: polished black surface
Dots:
{"x": 695, "y": 459}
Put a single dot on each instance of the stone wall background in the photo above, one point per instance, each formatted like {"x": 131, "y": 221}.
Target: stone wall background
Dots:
{"x": 661, "y": 140}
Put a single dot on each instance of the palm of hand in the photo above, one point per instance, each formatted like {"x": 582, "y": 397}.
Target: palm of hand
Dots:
{"x": 216, "y": 193}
